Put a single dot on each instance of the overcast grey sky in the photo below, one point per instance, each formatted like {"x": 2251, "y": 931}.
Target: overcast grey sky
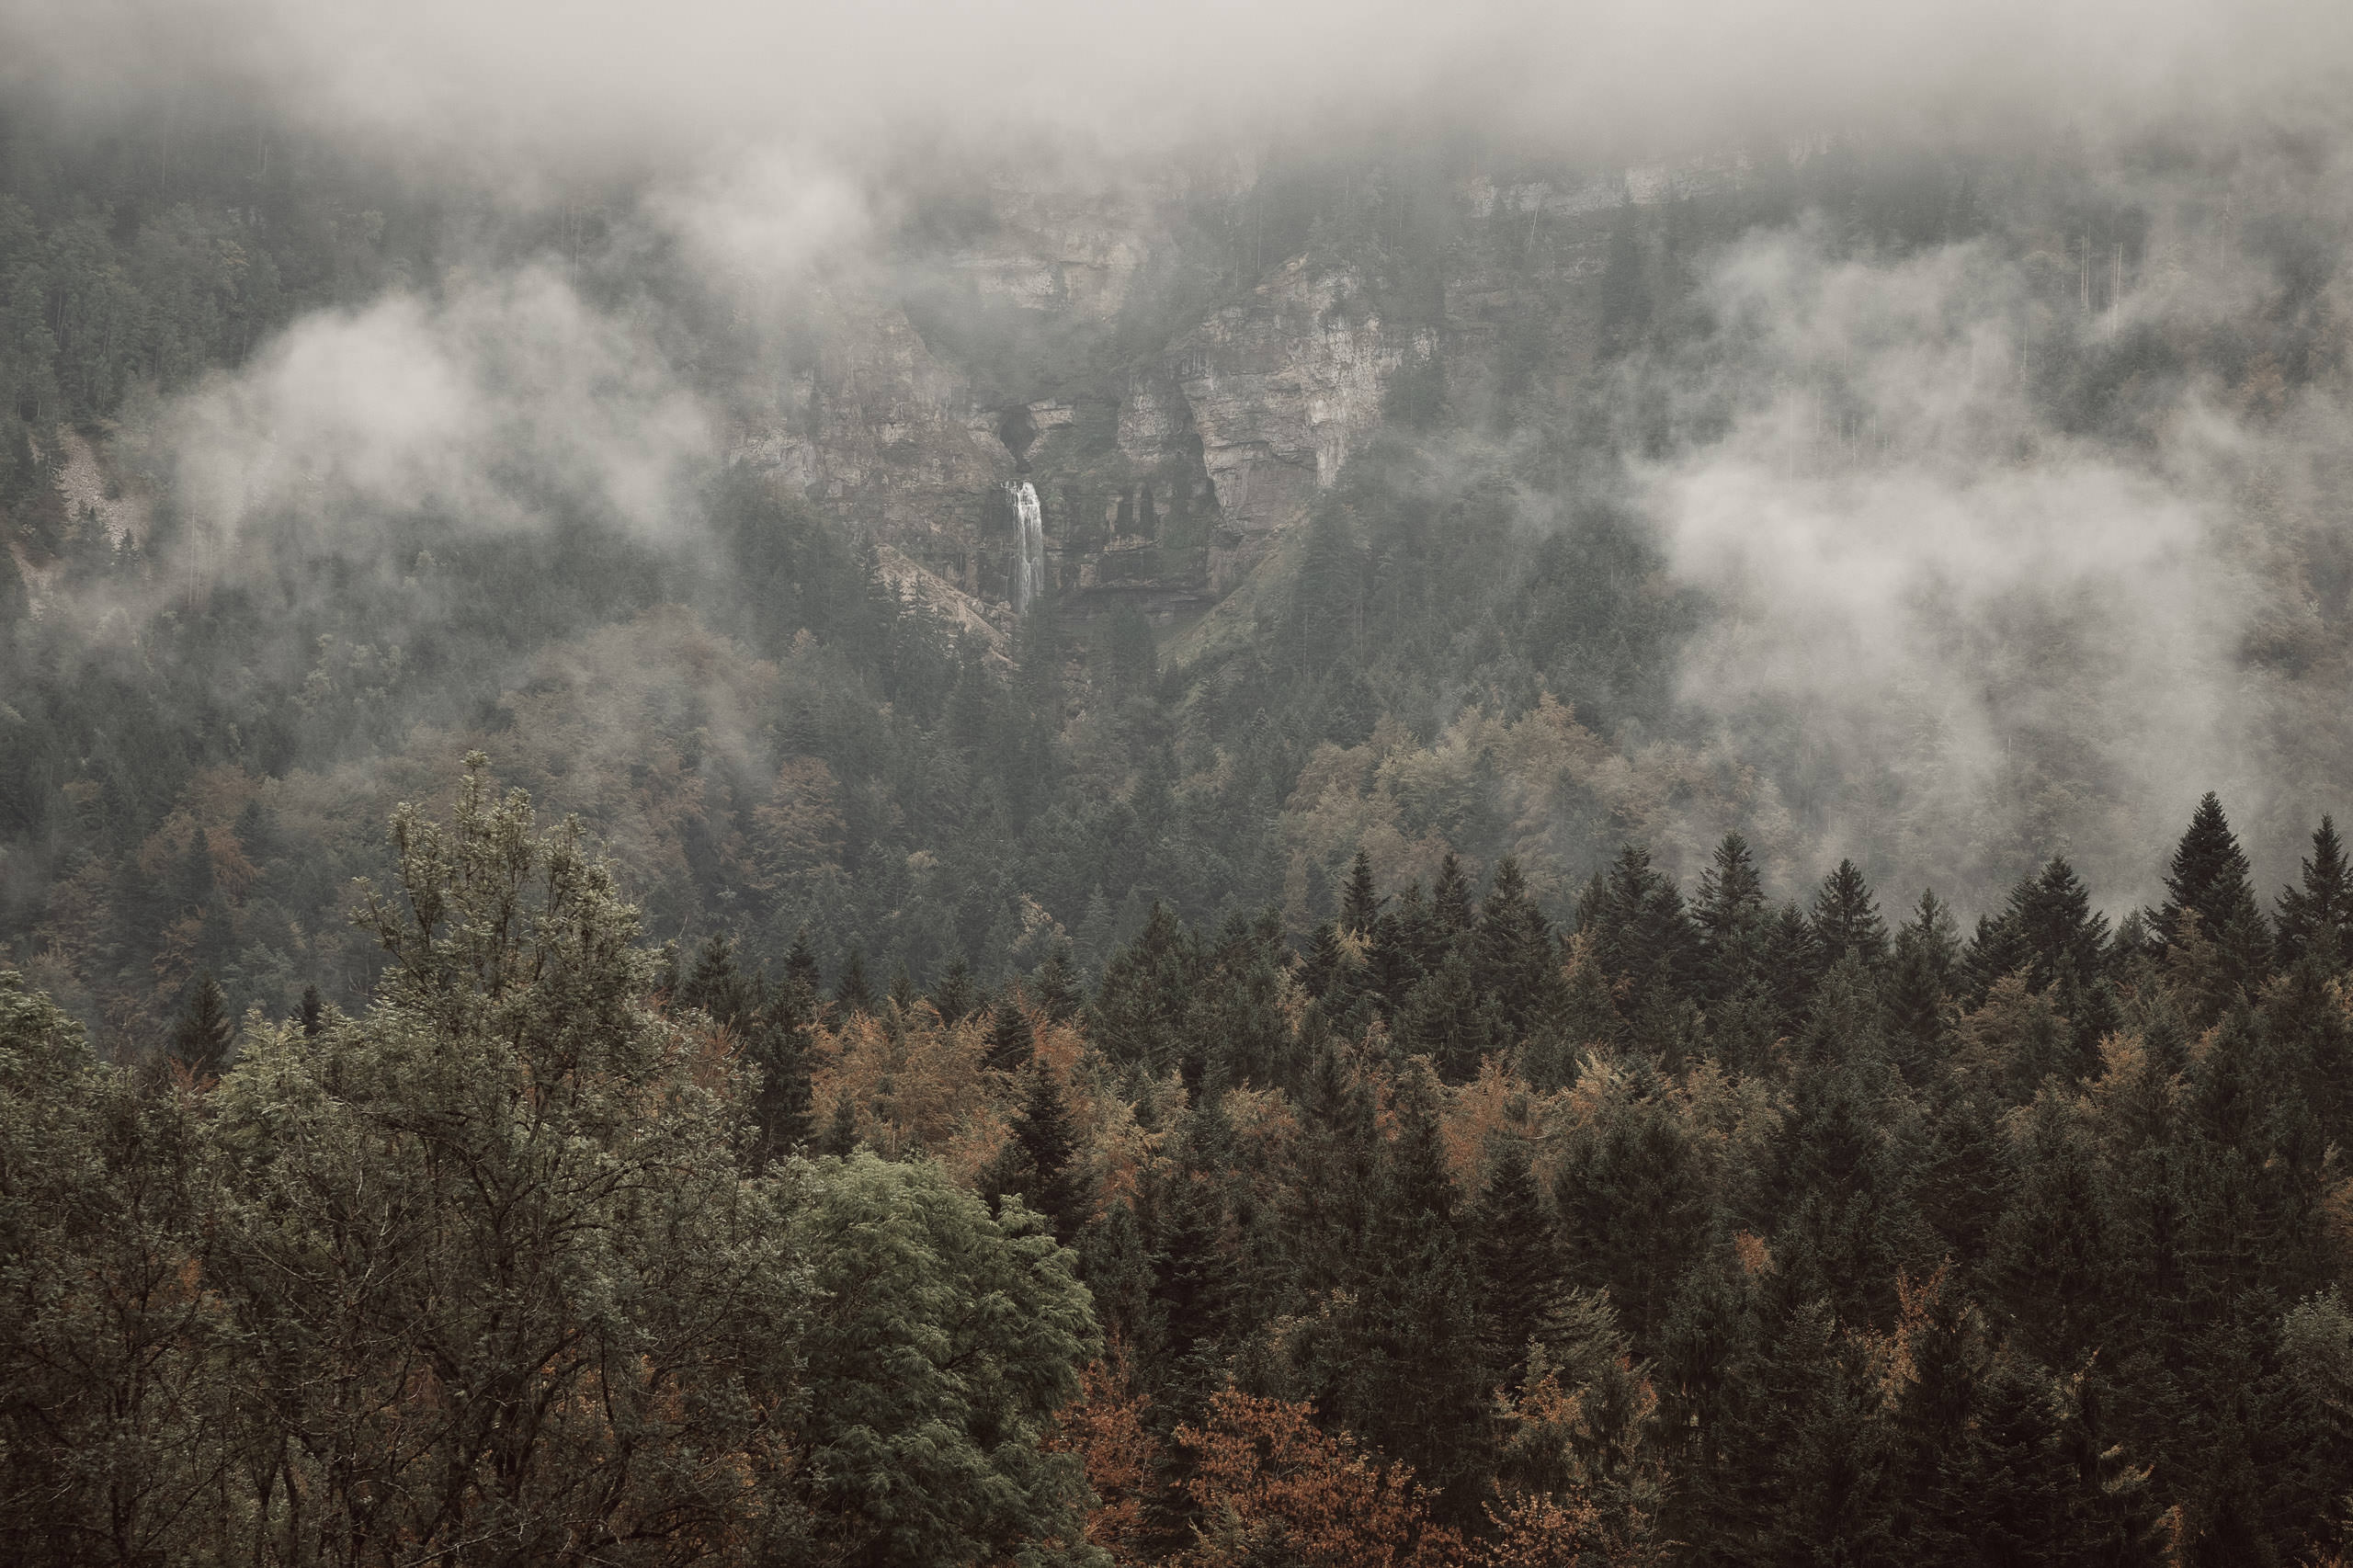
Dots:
{"x": 550, "y": 82}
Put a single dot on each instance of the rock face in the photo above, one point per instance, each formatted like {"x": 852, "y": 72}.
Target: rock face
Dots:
{"x": 1166, "y": 462}
{"x": 1278, "y": 389}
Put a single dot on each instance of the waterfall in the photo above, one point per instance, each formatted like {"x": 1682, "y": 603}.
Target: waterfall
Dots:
{"x": 1029, "y": 578}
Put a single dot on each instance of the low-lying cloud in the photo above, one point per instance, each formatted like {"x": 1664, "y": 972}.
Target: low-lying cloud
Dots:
{"x": 493, "y": 402}
{"x": 1972, "y": 640}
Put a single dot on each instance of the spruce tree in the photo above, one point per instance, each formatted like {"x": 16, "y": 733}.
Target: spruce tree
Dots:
{"x": 1040, "y": 1151}
{"x": 801, "y": 968}
{"x": 956, "y": 996}
{"x": 1514, "y": 961}
{"x": 313, "y": 1016}
{"x": 2208, "y": 874}
{"x": 1847, "y": 919}
{"x": 1410, "y": 1378}
{"x": 1359, "y": 904}
{"x": 2315, "y": 921}
{"x": 1517, "y": 1252}
{"x": 851, "y": 992}
{"x": 201, "y": 1040}
{"x": 1642, "y": 935}
{"x": 1731, "y": 914}
{"x": 1141, "y": 1012}
{"x": 1793, "y": 966}
{"x": 1920, "y": 982}
{"x": 1055, "y": 986}
{"x": 1450, "y": 901}
{"x": 716, "y": 985}
{"x": 2059, "y": 930}
{"x": 1012, "y": 1042}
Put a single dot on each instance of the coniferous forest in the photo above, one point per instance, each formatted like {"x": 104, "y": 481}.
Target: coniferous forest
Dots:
{"x": 1350, "y": 815}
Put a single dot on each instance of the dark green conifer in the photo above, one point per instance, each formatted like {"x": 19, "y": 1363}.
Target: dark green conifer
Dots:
{"x": 313, "y": 1016}
{"x": 201, "y": 1040}
{"x": 1012, "y": 1042}
{"x": 1043, "y": 1143}
{"x": 1847, "y": 919}
{"x": 1359, "y": 904}
{"x": 956, "y": 996}
{"x": 1920, "y": 982}
{"x": 1055, "y": 986}
{"x": 1450, "y": 901}
{"x": 2208, "y": 874}
{"x": 2315, "y": 921}
{"x": 1517, "y": 1252}
{"x": 1514, "y": 960}
{"x": 851, "y": 992}
{"x": 1731, "y": 914}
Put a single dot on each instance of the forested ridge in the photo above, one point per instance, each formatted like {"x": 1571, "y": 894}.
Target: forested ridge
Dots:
{"x": 1699, "y": 1229}
{"x": 1550, "y": 1005}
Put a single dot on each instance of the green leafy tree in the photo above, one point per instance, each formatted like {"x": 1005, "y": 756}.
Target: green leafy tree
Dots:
{"x": 941, "y": 1344}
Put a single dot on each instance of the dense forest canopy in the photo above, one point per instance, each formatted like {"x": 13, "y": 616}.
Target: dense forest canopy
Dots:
{"x": 1447, "y": 801}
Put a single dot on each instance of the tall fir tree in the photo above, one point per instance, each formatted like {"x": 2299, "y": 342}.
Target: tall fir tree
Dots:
{"x": 852, "y": 993}
{"x": 200, "y": 1039}
{"x": 2315, "y": 920}
{"x": 1517, "y": 1250}
{"x": 2207, "y": 874}
{"x": 1731, "y": 915}
{"x": 1360, "y": 904}
{"x": 1038, "y": 1162}
{"x": 1847, "y": 919}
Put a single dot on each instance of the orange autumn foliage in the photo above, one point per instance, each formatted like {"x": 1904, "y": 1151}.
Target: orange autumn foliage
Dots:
{"x": 1272, "y": 1485}
{"x": 1105, "y": 1427}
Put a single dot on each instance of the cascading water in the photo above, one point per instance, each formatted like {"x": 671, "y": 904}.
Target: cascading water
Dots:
{"x": 1029, "y": 578}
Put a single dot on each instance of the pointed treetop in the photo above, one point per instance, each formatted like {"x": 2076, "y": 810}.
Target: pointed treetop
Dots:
{"x": 2316, "y": 920}
{"x": 1359, "y": 904}
{"x": 200, "y": 1039}
{"x": 1845, "y": 916}
{"x": 851, "y": 992}
{"x": 2208, "y": 873}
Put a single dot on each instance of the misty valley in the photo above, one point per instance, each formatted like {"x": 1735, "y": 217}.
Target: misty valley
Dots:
{"x": 1485, "y": 791}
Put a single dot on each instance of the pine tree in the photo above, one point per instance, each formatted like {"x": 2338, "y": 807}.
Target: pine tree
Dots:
{"x": 840, "y": 1139}
{"x": 1450, "y": 901}
{"x": 1793, "y": 966}
{"x": 201, "y": 1040}
{"x": 1410, "y": 1377}
{"x": 2208, "y": 874}
{"x": 1141, "y": 1011}
{"x": 1359, "y": 904}
{"x": 1518, "y": 1255}
{"x": 956, "y": 996}
{"x": 2315, "y": 921}
{"x": 1920, "y": 982}
{"x": 192, "y": 888}
{"x": 801, "y": 968}
{"x": 1040, "y": 1154}
{"x": 1056, "y": 986}
{"x": 2061, "y": 931}
{"x": 313, "y": 1016}
{"x": 851, "y": 992}
{"x": 1731, "y": 914}
{"x": 1012, "y": 1040}
{"x": 1514, "y": 961}
{"x": 716, "y": 985}
{"x": 776, "y": 1030}
{"x": 1847, "y": 920}
{"x": 1446, "y": 1020}
{"x": 1641, "y": 934}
